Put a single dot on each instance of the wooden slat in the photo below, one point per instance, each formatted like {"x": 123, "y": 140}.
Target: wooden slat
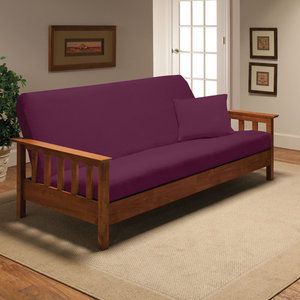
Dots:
{"x": 34, "y": 163}
{"x": 60, "y": 173}
{"x": 255, "y": 126}
{"x": 64, "y": 152}
{"x": 21, "y": 174}
{"x": 241, "y": 125}
{"x": 154, "y": 198}
{"x": 47, "y": 169}
{"x": 62, "y": 201}
{"x": 89, "y": 182}
{"x": 103, "y": 206}
{"x": 74, "y": 174}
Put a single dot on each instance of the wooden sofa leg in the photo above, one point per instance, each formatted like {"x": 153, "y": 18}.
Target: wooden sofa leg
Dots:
{"x": 103, "y": 206}
{"x": 21, "y": 174}
{"x": 270, "y": 172}
{"x": 270, "y": 168}
{"x": 103, "y": 237}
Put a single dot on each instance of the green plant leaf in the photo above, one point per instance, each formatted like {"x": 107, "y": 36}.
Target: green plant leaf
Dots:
{"x": 10, "y": 84}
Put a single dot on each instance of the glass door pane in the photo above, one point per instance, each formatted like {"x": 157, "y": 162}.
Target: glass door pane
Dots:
{"x": 198, "y": 44}
{"x": 185, "y": 13}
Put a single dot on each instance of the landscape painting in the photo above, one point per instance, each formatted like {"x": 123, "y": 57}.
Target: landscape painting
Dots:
{"x": 83, "y": 47}
{"x": 78, "y": 47}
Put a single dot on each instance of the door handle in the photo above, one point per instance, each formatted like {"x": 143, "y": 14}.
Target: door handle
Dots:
{"x": 175, "y": 51}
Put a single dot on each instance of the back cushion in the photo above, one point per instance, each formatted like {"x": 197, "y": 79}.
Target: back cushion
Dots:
{"x": 113, "y": 119}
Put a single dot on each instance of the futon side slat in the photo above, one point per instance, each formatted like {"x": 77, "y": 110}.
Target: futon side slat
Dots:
{"x": 47, "y": 169}
{"x": 60, "y": 174}
{"x": 34, "y": 162}
{"x": 74, "y": 180}
{"x": 89, "y": 182}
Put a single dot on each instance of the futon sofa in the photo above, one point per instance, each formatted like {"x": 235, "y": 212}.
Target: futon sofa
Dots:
{"x": 108, "y": 152}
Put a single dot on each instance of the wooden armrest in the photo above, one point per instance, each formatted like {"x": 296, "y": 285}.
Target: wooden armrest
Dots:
{"x": 255, "y": 118}
{"x": 61, "y": 151}
{"x": 251, "y": 116}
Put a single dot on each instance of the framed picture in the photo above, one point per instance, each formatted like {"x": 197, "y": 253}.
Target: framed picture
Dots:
{"x": 263, "y": 78}
{"x": 264, "y": 43}
{"x": 81, "y": 47}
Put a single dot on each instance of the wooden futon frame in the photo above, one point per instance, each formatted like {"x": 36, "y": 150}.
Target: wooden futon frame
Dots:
{"x": 101, "y": 211}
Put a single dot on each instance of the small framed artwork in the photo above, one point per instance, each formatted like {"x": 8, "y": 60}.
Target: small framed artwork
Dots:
{"x": 263, "y": 79}
{"x": 264, "y": 43}
{"x": 73, "y": 47}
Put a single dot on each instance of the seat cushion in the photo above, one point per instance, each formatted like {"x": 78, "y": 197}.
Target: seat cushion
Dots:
{"x": 150, "y": 168}
{"x": 204, "y": 117}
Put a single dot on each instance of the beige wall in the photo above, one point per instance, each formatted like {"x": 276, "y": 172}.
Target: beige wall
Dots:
{"x": 285, "y": 15}
{"x": 24, "y": 38}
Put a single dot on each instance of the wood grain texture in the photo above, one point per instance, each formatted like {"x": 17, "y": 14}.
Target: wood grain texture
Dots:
{"x": 21, "y": 173}
{"x": 11, "y": 179}
{"x": 270, "y": 168}
{"x": 64, "y": 152}
{"x": 89, "y": 183}
{"x": 103, "y": 206}
{"x": 19, "y": 282}
{"x": 61, "y": 201}
{"x": 241, "y": 125}
{"x": 109, "y": 213}
{"x": 34, "y": 164}
{"x": 290, "y": 293}
{"x": 167, "y": 193}
{"x": 255, "y": 126}
{"x": 251, "y": 116}
{"x": 12, "y": 289}
{"x": 60, "y": 174}
{"x": 74, "y": 180}
{"x": 256, "y": 118}
{"x": 287, "y": 155}
{"x": 47, "y": 169}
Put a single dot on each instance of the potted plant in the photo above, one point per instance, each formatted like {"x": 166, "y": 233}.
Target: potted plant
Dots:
{"x": 10, "y": 84}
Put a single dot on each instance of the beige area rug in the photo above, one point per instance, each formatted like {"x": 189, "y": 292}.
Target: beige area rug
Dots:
{"x": 240, "y": 240}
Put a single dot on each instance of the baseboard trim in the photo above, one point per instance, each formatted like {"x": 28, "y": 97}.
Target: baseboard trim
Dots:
{"x": 288, "y": 141}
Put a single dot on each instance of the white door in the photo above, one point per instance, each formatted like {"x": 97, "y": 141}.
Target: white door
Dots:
{"x": 200, "y": 51}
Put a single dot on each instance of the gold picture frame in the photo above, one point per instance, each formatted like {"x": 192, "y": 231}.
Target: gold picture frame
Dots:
{"x": 75, "y": 47}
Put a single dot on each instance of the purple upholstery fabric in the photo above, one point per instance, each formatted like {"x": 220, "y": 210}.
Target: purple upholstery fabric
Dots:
{"x": 205, "y": 117}
{"x": 150, "y": 168}
{"x": 114, "y": 119}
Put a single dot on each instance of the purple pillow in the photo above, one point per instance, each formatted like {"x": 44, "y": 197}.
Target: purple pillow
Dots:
{"x": 205, "y": 117}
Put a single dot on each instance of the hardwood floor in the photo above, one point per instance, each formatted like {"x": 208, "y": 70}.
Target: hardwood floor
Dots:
{"x": 19, "y": 282}
{"x": 289, "y": 156}
{"x": 290, "y": 293}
